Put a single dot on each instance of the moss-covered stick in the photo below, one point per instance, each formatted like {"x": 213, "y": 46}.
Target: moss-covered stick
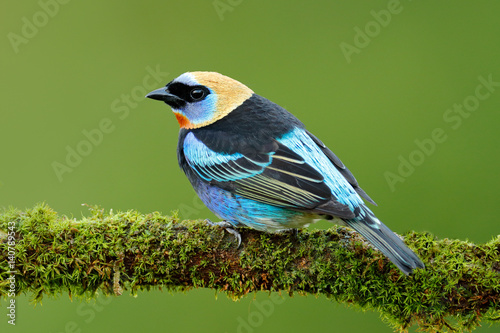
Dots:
{"x": 116, "y": 252}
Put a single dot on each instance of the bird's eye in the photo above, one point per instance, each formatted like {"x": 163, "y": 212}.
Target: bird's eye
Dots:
{"x": 197, "y": 94}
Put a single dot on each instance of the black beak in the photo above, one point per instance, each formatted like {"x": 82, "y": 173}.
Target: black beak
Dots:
{"x": 163, "y": 94}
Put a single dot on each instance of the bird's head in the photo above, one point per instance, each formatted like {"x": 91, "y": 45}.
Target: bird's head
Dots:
{"x": 201, "y": 98}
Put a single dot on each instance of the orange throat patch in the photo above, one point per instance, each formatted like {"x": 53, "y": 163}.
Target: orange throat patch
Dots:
{"x": 183, "y": 121}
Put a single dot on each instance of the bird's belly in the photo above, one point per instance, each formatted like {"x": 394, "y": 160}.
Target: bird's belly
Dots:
{"x": 240, "y": 211}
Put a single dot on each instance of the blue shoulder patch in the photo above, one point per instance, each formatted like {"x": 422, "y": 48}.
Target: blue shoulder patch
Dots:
{"x": 210, "y": 165}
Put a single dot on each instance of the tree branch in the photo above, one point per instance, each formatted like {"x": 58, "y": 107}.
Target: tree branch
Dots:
{"x": 112, "y": 252}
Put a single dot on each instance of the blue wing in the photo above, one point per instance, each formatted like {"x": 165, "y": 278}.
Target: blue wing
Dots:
{"x": 275, "y": 175}
{"x": 341, "y": 168}
{"x": 213, "y": 166}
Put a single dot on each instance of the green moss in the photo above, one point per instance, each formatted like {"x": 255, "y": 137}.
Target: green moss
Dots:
{"x": 112, "y": 252}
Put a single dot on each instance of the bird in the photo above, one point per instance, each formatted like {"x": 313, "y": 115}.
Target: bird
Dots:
{"x": 254, "y": 164}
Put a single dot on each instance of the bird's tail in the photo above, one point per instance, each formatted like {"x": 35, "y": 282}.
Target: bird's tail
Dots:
{"x": 385, "y": 241}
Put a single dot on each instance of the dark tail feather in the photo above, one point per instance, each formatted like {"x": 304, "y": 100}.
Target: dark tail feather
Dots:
{"x": 385, "y": 241}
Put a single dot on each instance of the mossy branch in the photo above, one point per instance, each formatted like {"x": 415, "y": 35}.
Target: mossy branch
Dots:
{"x": 113, "y": 252}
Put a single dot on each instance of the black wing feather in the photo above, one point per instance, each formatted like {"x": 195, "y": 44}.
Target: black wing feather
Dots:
{"x": 286, "y": 181}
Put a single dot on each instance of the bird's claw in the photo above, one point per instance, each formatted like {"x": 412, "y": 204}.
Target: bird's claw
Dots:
{"x": 228, "y": 227}
{"x": 291, "y": 231}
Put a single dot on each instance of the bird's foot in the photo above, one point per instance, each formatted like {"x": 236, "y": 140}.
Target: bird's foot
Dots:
{"x": 291, "y": 231}
{"x": 228, "y": 227}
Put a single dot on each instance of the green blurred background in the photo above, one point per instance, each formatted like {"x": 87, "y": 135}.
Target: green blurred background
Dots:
{"x": 68, "y": 67}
